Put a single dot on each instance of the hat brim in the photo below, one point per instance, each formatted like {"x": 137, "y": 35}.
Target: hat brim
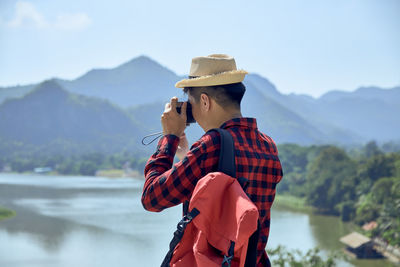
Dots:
{"x": 228, "y": 77}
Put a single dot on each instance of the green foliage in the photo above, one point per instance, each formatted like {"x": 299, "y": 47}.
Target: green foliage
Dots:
{"x": 6, "y": 213}
{"x": 371, "y": 149}
{"x": 295, "y": 160}
{"x": 366, "y": 211}
{"x": 330, "y": 180}
{"x": 381, "y": 190}
{"x": 347, "y": 210}
{"x": 86, "y": 164}
{"x": 87, "y": 168}
{"x": 281, "y": 257}
{"x": 380, "y": 166}
{"x": 361, "y": 186}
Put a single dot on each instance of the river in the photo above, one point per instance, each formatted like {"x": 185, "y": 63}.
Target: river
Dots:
{"x": 95, "y": 221}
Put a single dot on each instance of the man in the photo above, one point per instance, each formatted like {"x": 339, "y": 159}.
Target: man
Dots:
{"x": 215, "y": 91}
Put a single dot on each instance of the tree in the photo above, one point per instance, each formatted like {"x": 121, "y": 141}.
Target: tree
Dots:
{"x": 282, "y": 257}
{"x": 87, "y": 168}
{"x": 381, "y": 190}
{"x": 371, "y": 149}
{"x": 330, "y": 179}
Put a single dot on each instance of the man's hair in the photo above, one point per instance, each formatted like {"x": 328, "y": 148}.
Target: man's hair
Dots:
{"x": 226, "y": 95}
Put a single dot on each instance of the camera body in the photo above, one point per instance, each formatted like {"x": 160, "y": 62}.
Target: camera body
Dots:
{"x": 189, "y": 115}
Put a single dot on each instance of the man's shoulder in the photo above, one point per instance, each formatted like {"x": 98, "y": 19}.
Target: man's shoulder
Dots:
{"x": 210, "y": 139}
{"x": 270, "y": 143}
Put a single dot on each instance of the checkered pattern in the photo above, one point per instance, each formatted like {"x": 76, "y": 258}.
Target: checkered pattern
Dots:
{"x": 256, "y": 159}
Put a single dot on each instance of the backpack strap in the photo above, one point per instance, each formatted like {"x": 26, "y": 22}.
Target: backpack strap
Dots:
{"x": 251, "y": 254}
{"x": 227, "y": 165}
{"x": 178, "y": 234}
{"x": 226, "y": 161}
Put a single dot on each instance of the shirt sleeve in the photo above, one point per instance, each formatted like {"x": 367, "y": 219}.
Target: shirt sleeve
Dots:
{"x": 168, "y": 185}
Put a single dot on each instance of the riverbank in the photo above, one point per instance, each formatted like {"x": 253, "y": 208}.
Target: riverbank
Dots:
{"x": 291, "y": 203}
{"x": 108, "y": 173}
{"x": 6, "y": 213}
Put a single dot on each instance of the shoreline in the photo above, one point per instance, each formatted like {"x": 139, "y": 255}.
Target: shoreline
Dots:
{"x": 291, "y": 203}
{"x": 112, "y": 173}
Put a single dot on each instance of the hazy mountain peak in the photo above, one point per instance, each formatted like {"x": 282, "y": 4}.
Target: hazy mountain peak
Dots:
{"x": 138, "y": 67}
{"x": 332, "y": 94}
{"x": 142, "y": 59}
{"x": 301, "y": 96}
{"x": 48, "y": 88}
{"x": 368, "y": 90}
{"x": 390, "y": 95}
{"x": 264, "y": 84}
{"x": 142, "y": 62}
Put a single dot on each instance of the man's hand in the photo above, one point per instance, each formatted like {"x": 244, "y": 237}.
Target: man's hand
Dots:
{"x": 172, "y": 122}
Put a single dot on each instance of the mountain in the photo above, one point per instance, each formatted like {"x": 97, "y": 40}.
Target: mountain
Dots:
{"x": 14, "y": 91}
{"x": 370, "y": 112}
{"x": 51, "y": 116}
{"x": 300, "y": 124}
{"x": 141, "y": 86}
{"x": 279, "y": 122}
{"x": 390, "y": 95}
{"x": 139, "y": 81}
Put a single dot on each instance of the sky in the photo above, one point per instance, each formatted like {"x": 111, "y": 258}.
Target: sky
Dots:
{"x": 301, "y": 46}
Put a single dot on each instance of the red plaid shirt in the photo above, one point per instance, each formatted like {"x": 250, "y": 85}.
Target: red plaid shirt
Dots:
{"x": 256, "y": 158}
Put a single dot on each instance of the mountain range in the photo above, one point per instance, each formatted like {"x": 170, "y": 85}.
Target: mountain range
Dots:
{"x": 113, "y": 108}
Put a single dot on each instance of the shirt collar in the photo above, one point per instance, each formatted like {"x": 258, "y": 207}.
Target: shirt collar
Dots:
{"x": 240, "y": 122}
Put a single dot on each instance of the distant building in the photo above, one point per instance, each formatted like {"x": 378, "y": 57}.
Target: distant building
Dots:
{"x": 7, "y": 168}
{"x": 42, "y": 169}
{"x": 370, "y": 226}
{"x": 360, "y": 246}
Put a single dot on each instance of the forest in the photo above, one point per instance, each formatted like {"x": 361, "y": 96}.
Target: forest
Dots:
{"x": 359, "y": 185}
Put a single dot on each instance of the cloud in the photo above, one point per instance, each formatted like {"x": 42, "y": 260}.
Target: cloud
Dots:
{"x": 26, "y": 15}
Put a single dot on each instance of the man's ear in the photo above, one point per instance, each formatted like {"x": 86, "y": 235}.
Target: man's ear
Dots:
{"x": 205, "y": 102}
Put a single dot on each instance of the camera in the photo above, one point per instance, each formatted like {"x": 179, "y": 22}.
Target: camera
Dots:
{"x": 189, "y": 115}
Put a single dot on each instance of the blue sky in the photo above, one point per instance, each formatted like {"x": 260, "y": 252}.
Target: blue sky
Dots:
{"x": 307, "y": 47}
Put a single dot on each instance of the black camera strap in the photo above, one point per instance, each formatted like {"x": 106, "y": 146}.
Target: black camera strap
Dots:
{"x": 159, "y": 134}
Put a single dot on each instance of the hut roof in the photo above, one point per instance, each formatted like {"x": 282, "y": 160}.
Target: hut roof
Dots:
{"x": 354, "y": 240}
{"x": 370, "y": 226}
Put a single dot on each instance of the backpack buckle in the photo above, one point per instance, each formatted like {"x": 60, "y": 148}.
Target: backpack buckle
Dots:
{"x": 187, "y": 219}
{"x": 182, "y": 223}
{"x": 227, "y": 259}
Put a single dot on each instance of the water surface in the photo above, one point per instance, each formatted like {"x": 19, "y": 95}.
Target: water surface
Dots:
{"x": 94, "y": 221}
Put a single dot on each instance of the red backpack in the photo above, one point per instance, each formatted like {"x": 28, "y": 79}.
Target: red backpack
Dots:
{"x": 221, "y": 228}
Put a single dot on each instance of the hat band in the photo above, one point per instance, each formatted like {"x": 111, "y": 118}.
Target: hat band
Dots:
{"x": 192, "y": 77}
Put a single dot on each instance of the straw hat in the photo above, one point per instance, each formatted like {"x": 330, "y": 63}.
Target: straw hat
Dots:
{"x": 212, "y": 70}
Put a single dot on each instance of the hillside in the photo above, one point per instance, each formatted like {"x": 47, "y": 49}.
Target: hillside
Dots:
{"x": 49, "y": 116}
{"x": 139, "y": 81}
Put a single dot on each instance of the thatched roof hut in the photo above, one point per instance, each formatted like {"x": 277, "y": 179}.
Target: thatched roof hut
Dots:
{"x": 359, "y": 246}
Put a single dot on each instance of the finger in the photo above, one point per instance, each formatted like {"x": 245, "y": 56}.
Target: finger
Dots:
{"x": 183, "y": 112}
{"x": 167, "y": 106}
{"x": 174, "y": 102}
